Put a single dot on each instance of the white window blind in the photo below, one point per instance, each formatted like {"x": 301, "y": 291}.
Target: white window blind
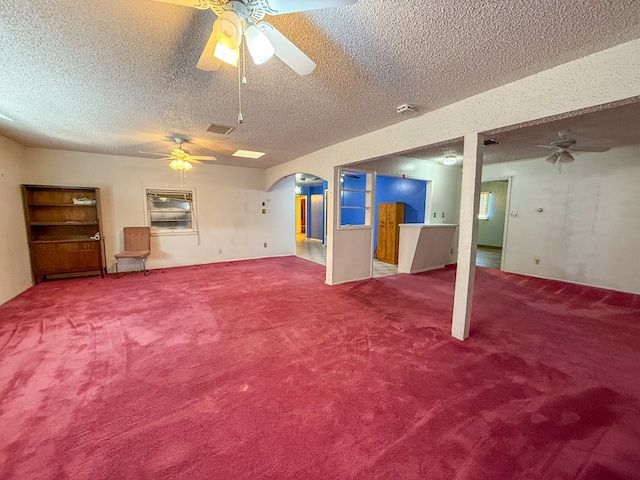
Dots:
{"x": 170, "y": 211}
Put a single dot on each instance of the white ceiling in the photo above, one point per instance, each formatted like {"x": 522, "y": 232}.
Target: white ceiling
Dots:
{"x": 604, "y": 128}
{"x": 119, "y": 76}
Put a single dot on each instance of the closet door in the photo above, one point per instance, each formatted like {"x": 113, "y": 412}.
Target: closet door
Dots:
{"x": 390, "y": 215}
{"x": 382, "y": 232}
{"x": 395, "y": 217}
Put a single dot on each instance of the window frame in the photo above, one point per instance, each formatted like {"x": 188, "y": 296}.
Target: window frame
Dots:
{"x": 159, "y": 231}
{"x": 367, "y": 198}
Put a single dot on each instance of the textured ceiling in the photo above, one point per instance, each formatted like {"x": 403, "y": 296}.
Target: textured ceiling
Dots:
{"x": 601, "y": 129}
{"x": 119, "y": 76}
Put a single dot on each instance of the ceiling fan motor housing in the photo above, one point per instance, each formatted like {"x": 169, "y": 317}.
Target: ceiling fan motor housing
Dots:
{"x": 563, "y": 143}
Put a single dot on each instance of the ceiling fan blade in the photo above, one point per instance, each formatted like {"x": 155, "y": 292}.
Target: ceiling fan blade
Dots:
{"x": 207, "y": 61}
{"x": 187, "y": 3}
{"x": 544, "y": 146}
{"x": 204, "y": 157}
{"x": 590, "y": 149}
{"x": 153, "y": 153}
{"x": 280, "y": 7}
{"x": 287, "y": 51}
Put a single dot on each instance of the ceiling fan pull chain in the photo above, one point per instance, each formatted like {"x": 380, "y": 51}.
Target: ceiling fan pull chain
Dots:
{"x": 240, "y": 119}
{"x": 244, "y": 64}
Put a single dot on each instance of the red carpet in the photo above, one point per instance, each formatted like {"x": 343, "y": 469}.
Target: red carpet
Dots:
{"x": 256, "y": 369}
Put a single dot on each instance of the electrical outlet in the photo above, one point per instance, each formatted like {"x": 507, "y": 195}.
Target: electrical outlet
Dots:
{"x": 537, "y": 261}
{"x": 442, "y": 214}
{"x": 265, "y": 244}
{"x": 434, "y": 214}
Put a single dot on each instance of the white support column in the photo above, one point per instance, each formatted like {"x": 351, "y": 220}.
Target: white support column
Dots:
{"x": 468, "y": 235}
{"x": 332, "y": 223}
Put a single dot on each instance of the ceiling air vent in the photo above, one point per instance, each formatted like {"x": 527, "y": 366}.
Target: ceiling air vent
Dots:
{"x": 221, "y": 129}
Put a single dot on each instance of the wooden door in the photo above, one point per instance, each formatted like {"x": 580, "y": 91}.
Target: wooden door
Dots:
{"x": 381, "y": 252}
{"x": 390, "y": 215}
{"x": 394, "y": 218}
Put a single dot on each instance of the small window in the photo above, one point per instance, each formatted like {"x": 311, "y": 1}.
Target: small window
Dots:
{"x": 483, "y": 211}
{"x": 170, "y": 211}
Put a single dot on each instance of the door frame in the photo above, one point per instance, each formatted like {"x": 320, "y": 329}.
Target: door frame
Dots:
{"x": 507, "y": 214}
{"x": 301, "y": 214}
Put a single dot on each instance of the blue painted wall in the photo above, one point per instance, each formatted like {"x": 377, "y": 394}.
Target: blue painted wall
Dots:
{"x": 411, "y": 192}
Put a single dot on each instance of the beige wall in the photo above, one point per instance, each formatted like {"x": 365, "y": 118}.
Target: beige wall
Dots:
{"x": 588, "y": 229}
{"x": 228, "y": 205}
{"x": 15, "y": 269}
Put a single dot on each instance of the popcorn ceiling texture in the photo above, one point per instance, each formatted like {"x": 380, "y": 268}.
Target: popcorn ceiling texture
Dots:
{"x": 119, "y": 76}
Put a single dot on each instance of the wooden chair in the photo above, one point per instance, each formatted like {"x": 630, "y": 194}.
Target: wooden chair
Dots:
{"x": 137, "y": 244}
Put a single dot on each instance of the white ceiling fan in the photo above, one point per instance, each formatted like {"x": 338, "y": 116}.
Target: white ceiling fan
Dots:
{"x": 180, "y": 159}
{"x": 563, "y": 148}
{"x": 243, "y": 18}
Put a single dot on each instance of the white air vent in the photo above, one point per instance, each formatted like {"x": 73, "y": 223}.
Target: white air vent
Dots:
{"x": 221, "y": 129}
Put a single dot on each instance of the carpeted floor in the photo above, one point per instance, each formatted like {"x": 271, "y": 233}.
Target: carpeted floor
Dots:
{"x": 257, "y": 369}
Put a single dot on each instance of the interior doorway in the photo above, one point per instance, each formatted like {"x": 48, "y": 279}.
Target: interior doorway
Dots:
{"x": 311, "y": 217}
{"x": 492, "y": 221}
{"x": 301, "y": 215}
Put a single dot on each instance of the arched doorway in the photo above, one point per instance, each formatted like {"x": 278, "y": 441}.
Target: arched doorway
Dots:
{"x": 311, "y": 217}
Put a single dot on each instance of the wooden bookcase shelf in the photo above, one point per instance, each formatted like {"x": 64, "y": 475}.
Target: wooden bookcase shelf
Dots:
{"x": 45, "y": 224}
{"x": 63, "y": 230}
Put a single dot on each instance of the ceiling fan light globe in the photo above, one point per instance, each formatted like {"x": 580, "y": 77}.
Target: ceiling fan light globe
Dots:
{"x": 228, "y": 29}
{"x": 565, "y": 157}
{"x": 552, "y": 159}
{"x": 180, "y": 164}
{"x": 226, "y": 54}
{"x": 260, "y": 48}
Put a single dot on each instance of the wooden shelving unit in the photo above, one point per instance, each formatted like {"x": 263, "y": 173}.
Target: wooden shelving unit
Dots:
{"x": 64, "y": 230}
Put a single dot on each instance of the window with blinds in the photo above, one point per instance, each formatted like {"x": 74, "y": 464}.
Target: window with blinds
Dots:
{"x": 170, "y": 211}
{"x": 483, "y": 211}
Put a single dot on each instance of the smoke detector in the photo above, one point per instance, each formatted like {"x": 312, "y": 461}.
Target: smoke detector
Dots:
{"x": 405, "y": 108}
